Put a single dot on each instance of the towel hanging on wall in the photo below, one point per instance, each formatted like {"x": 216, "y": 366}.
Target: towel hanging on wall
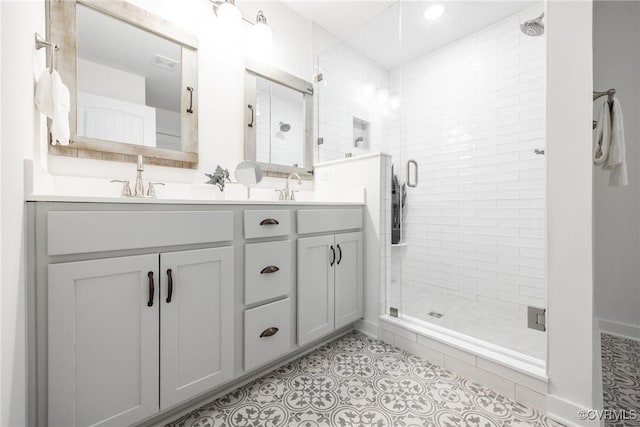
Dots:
{"x": 609, "y": 143}
{"x": 52, "y": 99}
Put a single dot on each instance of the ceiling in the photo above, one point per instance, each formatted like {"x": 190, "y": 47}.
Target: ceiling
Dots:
{"x": 395, "y": 32}
{"x": 119, "y": 45}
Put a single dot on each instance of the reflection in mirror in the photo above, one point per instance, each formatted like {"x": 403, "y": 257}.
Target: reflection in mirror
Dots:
{"x": 129, "y": 83}
{"x": 279, "y": 124}
{"x": 248, "y": 173}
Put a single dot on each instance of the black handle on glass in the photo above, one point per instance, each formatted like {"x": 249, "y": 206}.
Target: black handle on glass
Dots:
{"x": 190, "y": 109}
{"x": 169, "y": 285}
{"x": 151, "y": 289}
{"x": 252, "y": 116}
{"x": 340, "y": 253}
{"x": 333, "y": 259}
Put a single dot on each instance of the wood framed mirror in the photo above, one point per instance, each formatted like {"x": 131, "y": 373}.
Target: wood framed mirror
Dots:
{"x": 279, "y": 121}
{"x": 133, "y": 83}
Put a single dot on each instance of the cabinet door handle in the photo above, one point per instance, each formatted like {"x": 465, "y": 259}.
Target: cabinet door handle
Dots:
{"x": 190, "y": 109}
{"x": 340, "y": 254}
{"x": 269, "y": 332}
{"x": 269, "y": 269}
{"x": 252, "y": 115}
{"x": 333, "y": 253}
{"x": 169, "y": 285}
{"x": 151, "y": 289}
{"x": 269, "y": 221}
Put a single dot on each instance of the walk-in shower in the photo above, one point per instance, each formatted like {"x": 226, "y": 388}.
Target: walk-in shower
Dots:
{"x": 466, "y": 131}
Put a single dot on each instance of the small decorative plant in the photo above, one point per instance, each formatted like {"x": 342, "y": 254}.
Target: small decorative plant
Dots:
{"x": 219, "y": 177}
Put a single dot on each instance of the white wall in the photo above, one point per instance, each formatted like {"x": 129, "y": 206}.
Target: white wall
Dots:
{"x": 471, "y": 115}
{"x": 569, "y": 196}
{"x": 616, "y": 210}
{"x": 20, "y": 129}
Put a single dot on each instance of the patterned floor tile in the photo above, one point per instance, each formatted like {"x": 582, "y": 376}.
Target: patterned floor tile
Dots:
{"x": 621, "y": 376}
{"x": 358, "y": 381}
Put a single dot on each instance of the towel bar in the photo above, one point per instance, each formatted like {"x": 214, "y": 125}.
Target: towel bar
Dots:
{"x": 42, "y": 43}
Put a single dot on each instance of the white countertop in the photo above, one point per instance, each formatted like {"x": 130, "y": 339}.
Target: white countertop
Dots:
{"x": 161, "y": 201}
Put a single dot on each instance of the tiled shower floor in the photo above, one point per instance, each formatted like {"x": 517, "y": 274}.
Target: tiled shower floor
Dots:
{"x": 359, "y": 381}
{"x": 476, "y": 318}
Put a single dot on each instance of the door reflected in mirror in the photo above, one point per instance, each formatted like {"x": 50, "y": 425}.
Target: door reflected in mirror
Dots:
{"x": 279, "y": 123}
{"x": 128, "y": 83}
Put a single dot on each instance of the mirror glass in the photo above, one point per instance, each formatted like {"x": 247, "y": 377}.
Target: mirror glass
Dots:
{"x": 128, "y": 83}
{"x": 279, "y": 123}
{"x": 248, "y": 173}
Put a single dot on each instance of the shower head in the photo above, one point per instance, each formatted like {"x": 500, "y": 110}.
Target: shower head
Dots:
{"x": 285, "y": 127}
{"x": 533, "y": 27}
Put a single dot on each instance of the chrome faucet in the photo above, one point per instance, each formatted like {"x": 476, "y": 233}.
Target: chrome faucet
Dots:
{"x": 138, "y": 190}
{"x": 288, "y": 193}
{"x": 139, "y": 186}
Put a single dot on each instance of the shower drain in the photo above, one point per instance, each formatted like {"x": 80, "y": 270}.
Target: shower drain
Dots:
{"x": 435, "y": 314}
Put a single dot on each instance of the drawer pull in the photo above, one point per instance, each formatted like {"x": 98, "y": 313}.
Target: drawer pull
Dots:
{"x": 269, "y": 269}
{"x": 170, "y": 285}
{"x": 269, "y": 332}
{"x": 269, "y": 221}
{"x": 151, "y": 289}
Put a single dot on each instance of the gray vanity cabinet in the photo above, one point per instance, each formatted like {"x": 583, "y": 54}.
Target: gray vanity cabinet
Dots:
{"x": 103, "y": 341}
{"x": 330, "y": 284}
{"x": 315, "y": 288}
{"x": 330, "y": 271}
{"x": 195, "y": 328}
{"x": 115, "y": 323}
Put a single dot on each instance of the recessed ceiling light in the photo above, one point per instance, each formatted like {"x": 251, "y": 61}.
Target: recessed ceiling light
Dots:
{"x": 434, "y": 12}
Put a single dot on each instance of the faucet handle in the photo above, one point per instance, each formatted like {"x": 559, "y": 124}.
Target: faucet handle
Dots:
{"x": 292, "y": 194}
{"x": 281, "y": 196}
{"x": 151, "y": 190}
{"x": 126, "y": 189}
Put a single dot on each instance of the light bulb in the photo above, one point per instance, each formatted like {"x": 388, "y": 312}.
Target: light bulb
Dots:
{"x": 434, "y": 12}
{"x": 383, "y": 96}
{"x": 394, "y": 103}
{"x": 261, "y": 38}
{"x": 228, "y": 13}
{"x": 369, "y": 89}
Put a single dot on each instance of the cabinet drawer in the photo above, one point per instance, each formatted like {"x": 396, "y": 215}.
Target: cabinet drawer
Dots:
{"x": 267, "y": 223}
{"x": 268, "y": 270}
{"x": 328, "y": 220}
{"x": 273, "y": 322}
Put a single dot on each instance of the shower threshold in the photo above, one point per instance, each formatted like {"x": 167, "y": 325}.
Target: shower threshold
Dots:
{"x": 520, "y": 362}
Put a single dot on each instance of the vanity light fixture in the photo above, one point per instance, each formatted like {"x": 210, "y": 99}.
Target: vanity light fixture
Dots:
{"x": 226, "y": 10}
{"x": 262, "y": 34}
{"x": 434, "y": 12}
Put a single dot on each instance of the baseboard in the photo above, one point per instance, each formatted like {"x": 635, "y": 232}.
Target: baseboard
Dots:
{"x": 620, "y": 329}
{"x": 567, "y": 412}
{"x": 367, "y": 327}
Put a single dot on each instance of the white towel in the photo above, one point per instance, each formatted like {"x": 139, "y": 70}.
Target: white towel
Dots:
{"x": 609, "y": 143}
{"x": 43, "y": 98}
{"x": 617, "y": 161}
{"x": 602, "y": 136}
{"x": 52, "y": 99}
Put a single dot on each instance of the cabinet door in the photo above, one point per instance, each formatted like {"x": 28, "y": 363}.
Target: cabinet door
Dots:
{"x": 103, "y": 341}
{"x": 349, "y": 278}
{"x": 316, "y": 257}
{"x": 196, "y": 324}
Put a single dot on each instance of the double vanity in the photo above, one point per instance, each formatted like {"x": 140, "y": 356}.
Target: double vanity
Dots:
{"x": 139, "y": 307}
